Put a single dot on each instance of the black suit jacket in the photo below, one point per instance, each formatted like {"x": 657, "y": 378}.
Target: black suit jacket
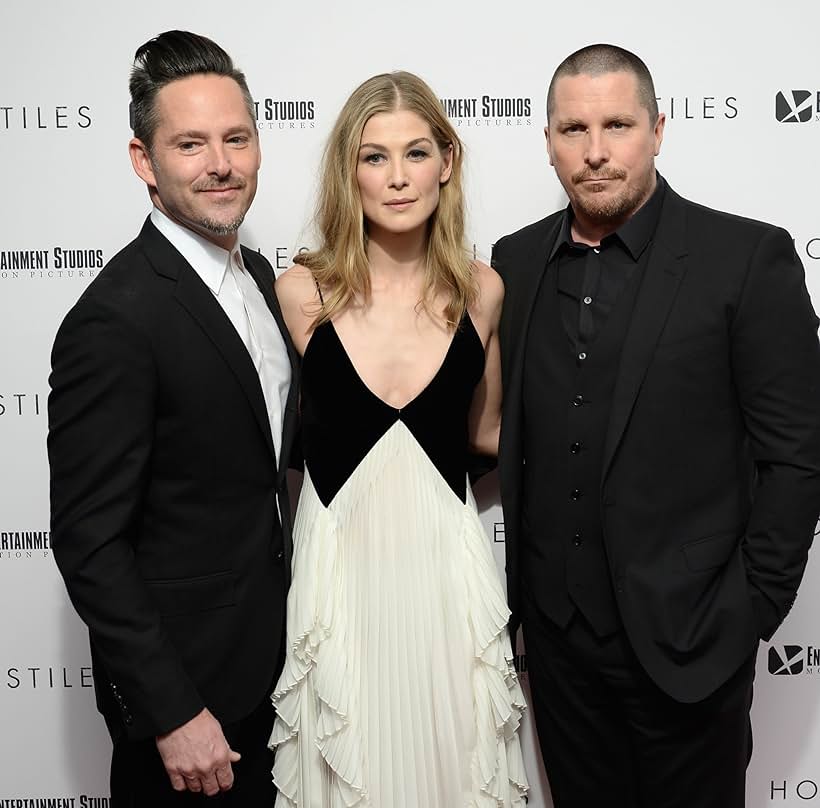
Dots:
{"x": 164, "y": 491}
{"x": 711, "y": 474}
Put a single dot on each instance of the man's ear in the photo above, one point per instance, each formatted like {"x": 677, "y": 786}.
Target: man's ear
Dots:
{"x": 549, "y": 143}
{"x": 658, "y": 132}
{"x": 140, "y": 156}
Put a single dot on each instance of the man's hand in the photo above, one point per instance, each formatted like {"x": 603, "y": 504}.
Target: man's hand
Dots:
{"x": 197, "y": 756}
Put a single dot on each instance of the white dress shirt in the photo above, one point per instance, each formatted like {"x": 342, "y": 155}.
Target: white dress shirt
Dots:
{"x": 224, "y": 273}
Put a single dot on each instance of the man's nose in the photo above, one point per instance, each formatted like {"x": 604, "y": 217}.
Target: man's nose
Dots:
{"x": 219, "y": 163}
{"x": 597, "y": 151}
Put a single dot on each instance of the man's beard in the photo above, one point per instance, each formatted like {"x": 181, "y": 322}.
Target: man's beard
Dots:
{"x": 212, "y": 225}
{"x": 221, "y": 228}
{"x": 603, "y": 209}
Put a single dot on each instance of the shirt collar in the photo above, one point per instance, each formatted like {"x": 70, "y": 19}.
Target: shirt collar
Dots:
{"x": 635, "y": 233}
{"x": 208, "y": 261}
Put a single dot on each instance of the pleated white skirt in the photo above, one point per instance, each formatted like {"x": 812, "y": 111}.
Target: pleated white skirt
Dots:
{"x": 398, "y": 689}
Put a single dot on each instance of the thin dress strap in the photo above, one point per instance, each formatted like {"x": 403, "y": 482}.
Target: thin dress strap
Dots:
{"x": 319, "y": 290}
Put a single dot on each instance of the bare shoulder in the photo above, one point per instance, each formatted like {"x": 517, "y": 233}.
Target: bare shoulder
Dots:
{"x": 490, "y": 288}
{"x": 295, "y": 286}
{"x": 299, "y": 299}
{"x": 485, "y": 312}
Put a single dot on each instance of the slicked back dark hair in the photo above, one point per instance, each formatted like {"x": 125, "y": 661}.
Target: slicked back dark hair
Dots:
{"x": 595, "y": 60}
{"x": 168, "y": 57}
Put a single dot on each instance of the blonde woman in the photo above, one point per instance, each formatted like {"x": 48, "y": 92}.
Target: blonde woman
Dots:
{"x": 398, "y": 688}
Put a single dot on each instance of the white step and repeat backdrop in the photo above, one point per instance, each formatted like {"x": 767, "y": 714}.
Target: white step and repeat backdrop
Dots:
{"x": 741, "y": 91}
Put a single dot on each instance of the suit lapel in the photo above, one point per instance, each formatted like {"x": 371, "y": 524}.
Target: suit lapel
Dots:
{"x": 664, "y": 273}
{"x": 524, "y": 272}
{"x": 289, "y": 416}
{"x": 520, "y": 301}
{"x": 195, "y": 297}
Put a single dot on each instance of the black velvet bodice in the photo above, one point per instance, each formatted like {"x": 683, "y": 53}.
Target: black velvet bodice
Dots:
{"x": 342, "y": 419}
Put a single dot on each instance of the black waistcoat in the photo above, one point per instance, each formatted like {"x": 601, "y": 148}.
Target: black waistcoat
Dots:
{"x": 567, "y": 401}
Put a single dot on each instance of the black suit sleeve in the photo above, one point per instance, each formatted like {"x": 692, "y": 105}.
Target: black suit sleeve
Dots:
{"x": 101, "y": 423}
{"x": 500, "y": 262}
{"x": 776, "y": 367}
{"x": 495, "y": 262}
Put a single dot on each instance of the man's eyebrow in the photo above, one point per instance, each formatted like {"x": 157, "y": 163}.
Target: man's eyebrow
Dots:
{"x": 196, "y": 134}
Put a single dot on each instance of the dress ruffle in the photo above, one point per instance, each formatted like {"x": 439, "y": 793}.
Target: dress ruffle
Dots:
{"x": 320, "y": 750}
{"x": 314, "y": 682}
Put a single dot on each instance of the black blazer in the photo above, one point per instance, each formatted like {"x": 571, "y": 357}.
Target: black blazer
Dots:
{"x": 164, "y": 492}
{"x": 711, "y": 477}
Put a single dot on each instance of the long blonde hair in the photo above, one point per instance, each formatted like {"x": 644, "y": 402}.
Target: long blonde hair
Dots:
{"x": 340, "y": 265}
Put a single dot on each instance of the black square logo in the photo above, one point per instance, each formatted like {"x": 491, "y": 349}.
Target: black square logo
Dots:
{"x": 793, "y": 106}
{"x": 786, "y": 661}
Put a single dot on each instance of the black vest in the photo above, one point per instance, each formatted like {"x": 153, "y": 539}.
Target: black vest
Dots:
{"x": 566, "y": 412}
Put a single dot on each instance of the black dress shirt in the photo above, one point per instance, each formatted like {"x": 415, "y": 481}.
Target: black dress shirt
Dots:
{"x": 590, "y": 279}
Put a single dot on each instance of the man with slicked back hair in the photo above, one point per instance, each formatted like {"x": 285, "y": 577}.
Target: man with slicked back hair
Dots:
{"x": 659, "y": 456}
{"x": 171, "y": 416}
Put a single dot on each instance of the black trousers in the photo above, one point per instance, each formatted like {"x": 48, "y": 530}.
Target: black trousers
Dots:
{"x": 139, "y": 779}
{"x": 609, "y": 736}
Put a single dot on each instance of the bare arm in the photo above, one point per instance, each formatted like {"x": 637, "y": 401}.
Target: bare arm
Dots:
{"x": 299, "y": 299}
{"x": 485, "y": 411}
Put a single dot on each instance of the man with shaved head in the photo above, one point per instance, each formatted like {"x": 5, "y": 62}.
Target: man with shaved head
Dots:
{"x": 659, "y": 459}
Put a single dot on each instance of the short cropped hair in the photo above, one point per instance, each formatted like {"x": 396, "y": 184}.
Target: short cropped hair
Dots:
{"x": 595, "y": 60}
{"x": 168, "y": 57}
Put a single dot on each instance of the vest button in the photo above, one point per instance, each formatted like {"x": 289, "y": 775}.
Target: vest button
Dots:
{"x": 576, "y": 494}
{"x": 575, "y": 447}
{"x": 577, "y": 540}
{"x": 578, "y": 400}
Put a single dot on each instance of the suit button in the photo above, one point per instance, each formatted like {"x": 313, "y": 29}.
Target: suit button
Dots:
{"x": 575, "y": 447}
{"x": 578, "y": 400}
{"x": 279, "y": 555}
{"x": 576, "y": 494}
{"x": 577, "y": 540}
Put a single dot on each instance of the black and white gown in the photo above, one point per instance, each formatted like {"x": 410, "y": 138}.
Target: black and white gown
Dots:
{"x": 398, "y": 689}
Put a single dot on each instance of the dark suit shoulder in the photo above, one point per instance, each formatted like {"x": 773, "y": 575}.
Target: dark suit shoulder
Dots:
{"x": 516, "y": 256}
{"x": 723, "y": 223}
{"x": 529, "y": 233}
{"x": 125, "y": 272}
{"x": 127, "y": 289}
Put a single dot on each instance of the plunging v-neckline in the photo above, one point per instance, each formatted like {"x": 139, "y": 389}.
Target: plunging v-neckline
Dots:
{"x": 424, "y": 389}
